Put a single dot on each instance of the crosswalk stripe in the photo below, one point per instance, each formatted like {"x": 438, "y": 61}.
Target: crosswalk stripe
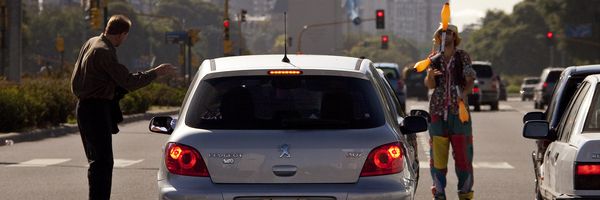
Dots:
{"x": 120, "y": 163}
{"x": 478, "y": 165}
{"x": 40, "y": 162}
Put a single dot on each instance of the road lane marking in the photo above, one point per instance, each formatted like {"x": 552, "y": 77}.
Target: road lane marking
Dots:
{"x": 40, "y": 162}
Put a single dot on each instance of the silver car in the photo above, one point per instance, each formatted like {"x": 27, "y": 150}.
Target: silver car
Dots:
{"x": 316, "y": 128}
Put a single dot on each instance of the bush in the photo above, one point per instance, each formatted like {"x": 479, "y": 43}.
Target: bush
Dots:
{"x": 44, "y": 102}
{"x": 14, "y": 107}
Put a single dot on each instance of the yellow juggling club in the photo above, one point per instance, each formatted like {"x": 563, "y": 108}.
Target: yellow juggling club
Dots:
{"x": 445, "y": 16}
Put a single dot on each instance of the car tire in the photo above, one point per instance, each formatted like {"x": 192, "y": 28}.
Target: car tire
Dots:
{"x": 494, "y": 106}
{"x": 523, "y": 99}
{"x": 535, "y": 105}
{"x": 477, "y": 107}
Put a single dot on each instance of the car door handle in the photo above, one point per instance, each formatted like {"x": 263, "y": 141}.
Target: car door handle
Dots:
{"x": 555, "y": 157}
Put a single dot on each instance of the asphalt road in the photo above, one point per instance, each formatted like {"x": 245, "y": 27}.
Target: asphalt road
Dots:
{"x": 56, "y": 168}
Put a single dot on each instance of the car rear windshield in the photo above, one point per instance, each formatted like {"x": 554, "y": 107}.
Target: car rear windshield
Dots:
{"x": 592, "y": 121}
{"x": 285, "y": 102}
{"x": 483, "y": 71}
{"x": 532, "y": 81}
{"x": 390, "y": 73}
{"x": 553, "y": 76}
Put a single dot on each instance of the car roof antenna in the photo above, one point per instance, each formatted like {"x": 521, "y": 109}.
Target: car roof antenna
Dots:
{"x": 285, "y": 58}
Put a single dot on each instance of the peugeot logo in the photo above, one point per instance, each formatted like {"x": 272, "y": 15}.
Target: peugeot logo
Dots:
{"x": 285, "y": 151}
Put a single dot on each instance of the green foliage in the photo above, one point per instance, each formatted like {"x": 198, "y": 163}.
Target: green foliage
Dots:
{"x": 517, "y": 43}
{"x": 400, "y": 51}
{"x": 134, "y": 102}
{"x": 35, "y": 103}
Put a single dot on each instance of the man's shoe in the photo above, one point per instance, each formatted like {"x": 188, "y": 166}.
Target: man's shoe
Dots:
{"x": 436, "y": 195}
{"x": 465, "y": 196}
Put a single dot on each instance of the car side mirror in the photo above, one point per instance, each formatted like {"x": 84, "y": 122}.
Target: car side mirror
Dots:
{"x": 421, "y": 113}
{"x": 162, "y": 124}
{"x": 533, "y": 116}
{"x": 414, "y": 124}
{"x": 536, "y": 129}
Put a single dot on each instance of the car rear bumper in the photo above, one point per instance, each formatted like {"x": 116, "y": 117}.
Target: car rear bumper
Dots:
{"x": 374, "y": 188}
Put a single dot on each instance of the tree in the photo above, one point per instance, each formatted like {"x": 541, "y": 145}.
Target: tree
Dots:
{"x": 400, "y": 51}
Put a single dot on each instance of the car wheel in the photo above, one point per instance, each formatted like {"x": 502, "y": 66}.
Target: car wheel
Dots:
{"x": 494, "y": 106}
{"x": 535, "y": 105}
{"x": 477, "y": 107}
{"x": 523, "y": 98}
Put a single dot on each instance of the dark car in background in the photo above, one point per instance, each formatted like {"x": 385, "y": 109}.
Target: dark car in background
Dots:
{"x": 566, "y": 86}
{"x": 415, "y": 85}
{"x": 542, "y": 93}
{"x": 392, "y": 73}
{"x": 527, "y": 87}
{"x": 486, "y": 90}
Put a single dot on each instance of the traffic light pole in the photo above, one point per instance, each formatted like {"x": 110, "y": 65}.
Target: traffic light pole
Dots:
{"x": 306, "y": 27}
{"x": 14, "y": 40}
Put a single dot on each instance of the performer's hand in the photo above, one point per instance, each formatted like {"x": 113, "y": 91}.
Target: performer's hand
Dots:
{"x": 431, "y": 72}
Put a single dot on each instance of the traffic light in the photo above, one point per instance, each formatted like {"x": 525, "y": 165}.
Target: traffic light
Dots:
{"x": 379, "y": 19}
{"x": 550, "y": 37}
{"x": 384, "y": 41}
{"x": 226, "y": 29}
{"x": 193, "y": 36}
{"x": 94, "y": 17}
{"x": 243, "y": 15}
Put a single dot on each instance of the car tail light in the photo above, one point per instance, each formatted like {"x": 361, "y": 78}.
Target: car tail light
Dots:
{"x": 545, "y": 85}
{"x": 475, "y": 90}
{"x": 284, "y": 72}
{"x": 184, "y": 160}
{"x": 385, "y": 159}
{"x": 587, "y": 176}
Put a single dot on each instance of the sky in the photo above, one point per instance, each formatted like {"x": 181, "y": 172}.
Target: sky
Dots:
{"x": 470, "y": 11}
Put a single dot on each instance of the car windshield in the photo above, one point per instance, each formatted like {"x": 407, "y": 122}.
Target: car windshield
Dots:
{"x": 285, "y": 102}
{"x": 483, "y": 71}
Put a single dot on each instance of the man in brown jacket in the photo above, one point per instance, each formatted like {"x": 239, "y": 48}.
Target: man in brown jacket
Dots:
{"x": 97, "y": 80}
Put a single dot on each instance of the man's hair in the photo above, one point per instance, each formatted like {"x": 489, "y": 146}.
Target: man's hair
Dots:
{"x": 118, "y": 24}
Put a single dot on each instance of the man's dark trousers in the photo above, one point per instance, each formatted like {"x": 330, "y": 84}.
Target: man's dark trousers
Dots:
{"x": 95, "y": 122}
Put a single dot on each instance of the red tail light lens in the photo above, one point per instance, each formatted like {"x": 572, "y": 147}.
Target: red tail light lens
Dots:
{"x": 588, "y": 169}
{"x": 184, "y": 160}
{"x": 587, "y": 176}
{"x": 383, "y": 160}
{"x": 545, "y": 84}
{"x": 475, "y": 90}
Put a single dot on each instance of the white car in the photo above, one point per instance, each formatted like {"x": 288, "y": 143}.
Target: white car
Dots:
{"x": 314, "y": 128}
{"x": 571, "y": 164}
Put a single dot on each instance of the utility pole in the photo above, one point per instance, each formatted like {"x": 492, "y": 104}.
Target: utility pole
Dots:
{"x": 3, "y": 50}
{"x": 14, "y": 40}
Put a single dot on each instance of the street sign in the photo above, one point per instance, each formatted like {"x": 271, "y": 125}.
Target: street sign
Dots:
{"x": 176, "y": 37}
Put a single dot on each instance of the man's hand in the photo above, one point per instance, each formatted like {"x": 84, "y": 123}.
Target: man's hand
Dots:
{"x": 164, "y": 69}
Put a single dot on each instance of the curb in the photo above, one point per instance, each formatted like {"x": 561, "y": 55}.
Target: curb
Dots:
{"x": 65, "y": 129}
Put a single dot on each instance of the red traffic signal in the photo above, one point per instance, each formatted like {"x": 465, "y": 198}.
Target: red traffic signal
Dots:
{"x": 379, "y": 19}
{"x": 384, "y": 41}
{"x": 226, "y": 23}
{"x": 549, "y": 35}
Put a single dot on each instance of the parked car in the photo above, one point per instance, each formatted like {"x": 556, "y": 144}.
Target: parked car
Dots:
{"x": 486, "y": 90}
{"x": 319, "y": 127}
{"x": 392, "y": 73}
{"x": 571, "y": 165}
{"x": 543, "y": 90}
{"x": 527, "y": 87}
{"x": 565, "y": 88}
{"x": 415, "y": 85}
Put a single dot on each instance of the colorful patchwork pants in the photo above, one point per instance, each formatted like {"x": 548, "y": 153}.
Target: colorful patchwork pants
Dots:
{"x": 459, "y": 135}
